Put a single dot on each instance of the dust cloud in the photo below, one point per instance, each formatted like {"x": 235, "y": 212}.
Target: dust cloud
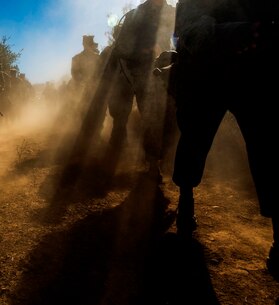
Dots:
{"x": 49, "y": 128}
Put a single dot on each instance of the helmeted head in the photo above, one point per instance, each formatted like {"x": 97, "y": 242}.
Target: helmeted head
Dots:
{"x": 22, "y": 75}
{"x": 88, "y": 41}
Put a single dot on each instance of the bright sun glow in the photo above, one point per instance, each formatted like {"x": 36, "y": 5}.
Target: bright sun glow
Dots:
{"x": 112, "y": 20}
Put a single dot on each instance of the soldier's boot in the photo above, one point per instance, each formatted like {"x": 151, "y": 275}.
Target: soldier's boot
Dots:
{"x": 186, "y": 222}
{"x": 272, "y": 261}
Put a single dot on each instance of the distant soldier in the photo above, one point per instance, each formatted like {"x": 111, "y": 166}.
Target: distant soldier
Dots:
{"x": 84, "y": 63}
{"x": 83, "y": 68}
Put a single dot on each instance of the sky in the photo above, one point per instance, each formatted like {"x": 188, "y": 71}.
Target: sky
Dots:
{"x": 48, "y": 33}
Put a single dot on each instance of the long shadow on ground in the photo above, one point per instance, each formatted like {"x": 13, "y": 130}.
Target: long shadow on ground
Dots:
{"x": 81, "y": 180}
{"x": 118, "y": 256}
{"x": 176, "y": 273}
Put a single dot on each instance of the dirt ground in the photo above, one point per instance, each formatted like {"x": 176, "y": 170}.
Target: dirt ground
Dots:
{"x": 77, "y": 236}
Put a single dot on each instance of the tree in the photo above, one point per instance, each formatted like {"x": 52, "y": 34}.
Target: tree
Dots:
{"x": 8, "y": 57}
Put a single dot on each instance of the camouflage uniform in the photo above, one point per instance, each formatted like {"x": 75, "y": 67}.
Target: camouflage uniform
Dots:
{"x": 226, "y": 54}
{"x": 146, "y": 31}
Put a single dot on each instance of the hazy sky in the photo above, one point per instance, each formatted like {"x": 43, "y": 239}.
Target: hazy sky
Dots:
{"x": 49, "y": 32}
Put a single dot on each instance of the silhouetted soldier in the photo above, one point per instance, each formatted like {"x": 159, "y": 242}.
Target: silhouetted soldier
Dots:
{"x": 120, "y": 93}
{"x": 84, "y": 63}
{"x": 228, "y": 60}
{"x": 83, "y": 69}
{"x": 146, "y": 31}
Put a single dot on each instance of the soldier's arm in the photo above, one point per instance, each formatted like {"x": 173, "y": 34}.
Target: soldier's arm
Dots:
{"x": 194, "y": 26}
{"x": 126, "y": 40}
{"x": 199, "y": 31}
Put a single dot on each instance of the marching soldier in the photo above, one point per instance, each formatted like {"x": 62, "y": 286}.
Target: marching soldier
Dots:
{"x": 146, "y": 31}
{"x": 226, "y": 55}
{"x": 83, "y": 70}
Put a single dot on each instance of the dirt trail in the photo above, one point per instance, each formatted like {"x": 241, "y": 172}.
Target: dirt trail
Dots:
{"x": 95, "y": 241}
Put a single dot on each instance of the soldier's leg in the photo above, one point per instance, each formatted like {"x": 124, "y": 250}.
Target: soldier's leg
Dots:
{"x": 149, "y": 109}
{"x": 120, "y": 107}
{"x": 273, "y": 256}
{"x": 198, "y": 120}
{"x": 170, "y": 135}
{"x": 259, "y": 125}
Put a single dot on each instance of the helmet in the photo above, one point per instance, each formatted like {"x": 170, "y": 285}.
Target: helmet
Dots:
{"x": 88, "y": 40}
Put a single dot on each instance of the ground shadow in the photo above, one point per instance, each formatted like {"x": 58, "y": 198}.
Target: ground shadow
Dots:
{"x": 100, "y": 258}
{"x": 119, "y": 256}
{"x": 93, "y": 183}
{"x": 176, "y": 273}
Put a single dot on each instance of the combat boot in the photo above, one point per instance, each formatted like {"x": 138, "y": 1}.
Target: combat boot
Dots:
{"x": 186, "y": 222}
{"x": 272, "y": 261}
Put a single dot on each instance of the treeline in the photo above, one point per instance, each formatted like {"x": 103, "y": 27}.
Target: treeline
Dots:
{"x": 8, "y": 57}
